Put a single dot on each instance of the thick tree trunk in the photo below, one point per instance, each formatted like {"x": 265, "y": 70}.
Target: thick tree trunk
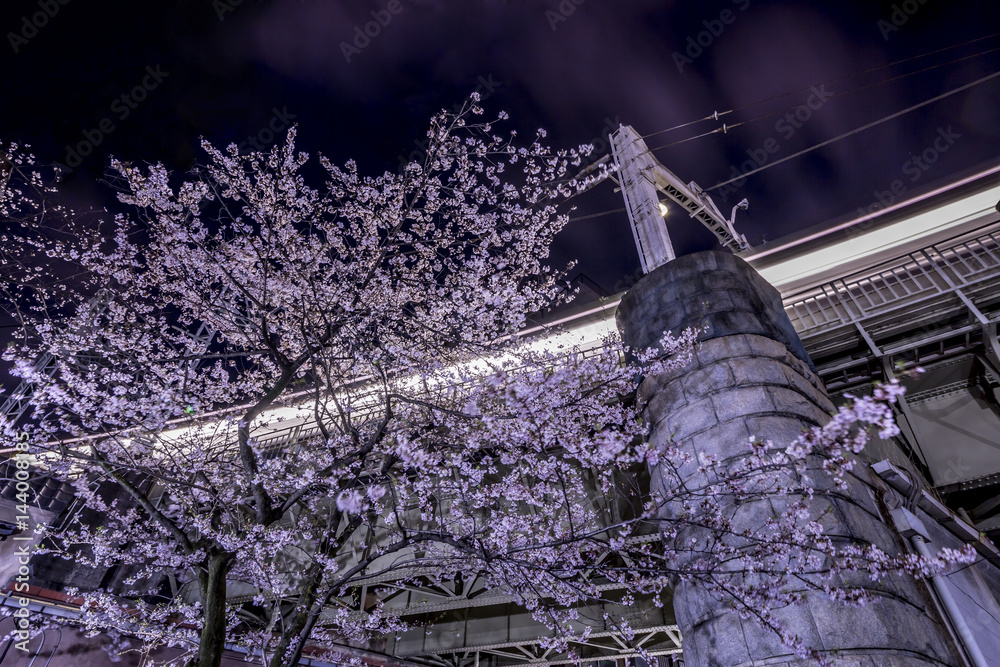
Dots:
{"x": 213, "y": 633}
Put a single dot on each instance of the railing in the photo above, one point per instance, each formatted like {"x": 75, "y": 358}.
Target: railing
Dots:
{"x": 600, "y": 646}
{"x": 910, "y": 279}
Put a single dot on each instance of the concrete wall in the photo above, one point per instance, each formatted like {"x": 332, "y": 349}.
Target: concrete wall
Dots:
{"x": 751, "y": 375}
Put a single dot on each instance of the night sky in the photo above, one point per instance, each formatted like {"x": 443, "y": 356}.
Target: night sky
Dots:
{"x": 235, "y": 71}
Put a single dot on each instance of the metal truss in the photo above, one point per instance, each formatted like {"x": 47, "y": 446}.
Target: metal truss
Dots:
{"x": 20, "y": 399}
{"x": 926, "y": 305}
{"x": 18, "y": 402}
{"x": 436, "y": 598}
{"x": 603, "y": 645}
{"x": 463, "y": 599}
{"x": 442, "y": 603}
{"x": 641, "y": 177}
{"x": 912, "y": 282}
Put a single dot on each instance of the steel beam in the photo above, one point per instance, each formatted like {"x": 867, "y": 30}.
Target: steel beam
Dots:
{"x": 530, "y": 651}
{"x": 906, "y": 424}
{"x": 641, "y": 177}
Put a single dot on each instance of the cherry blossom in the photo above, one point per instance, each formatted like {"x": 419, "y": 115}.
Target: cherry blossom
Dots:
{"x": 288, "y": 391}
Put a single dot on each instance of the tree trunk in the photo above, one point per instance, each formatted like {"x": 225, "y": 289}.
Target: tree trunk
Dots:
{"x": 213, "y": 633}
{"x": 299, "y": 628}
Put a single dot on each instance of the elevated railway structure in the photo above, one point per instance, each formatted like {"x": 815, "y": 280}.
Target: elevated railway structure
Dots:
{"x": 921, "y": 288}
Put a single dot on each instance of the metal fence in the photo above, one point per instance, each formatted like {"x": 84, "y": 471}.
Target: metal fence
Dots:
{"x": 902, "y": 283}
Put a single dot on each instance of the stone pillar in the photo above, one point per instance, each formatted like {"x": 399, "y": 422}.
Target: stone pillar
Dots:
{"x": 752, "y": 376}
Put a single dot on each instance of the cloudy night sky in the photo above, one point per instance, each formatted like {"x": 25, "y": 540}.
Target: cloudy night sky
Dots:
{"x": 795, "y": 73}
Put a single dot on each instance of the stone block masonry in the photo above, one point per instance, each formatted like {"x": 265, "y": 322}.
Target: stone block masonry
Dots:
{"x": 750, "y": 376}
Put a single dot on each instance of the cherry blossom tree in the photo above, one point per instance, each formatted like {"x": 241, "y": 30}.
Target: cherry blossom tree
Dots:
{"x": 297, "y": 391}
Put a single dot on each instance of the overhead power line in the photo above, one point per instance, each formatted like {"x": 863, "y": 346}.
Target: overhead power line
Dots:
{"x": 727, "y": 127}
{"x": 597, "y": 215}
{"x": 858, "y": 129}
{"x": 718, "y": 114}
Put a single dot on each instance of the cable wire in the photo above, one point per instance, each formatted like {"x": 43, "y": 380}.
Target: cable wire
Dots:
{"x": 597, "y": 215}
{"x": 857, "y": 130}
{"x": 716, "y": 115}
{"x": 725, "y": 127}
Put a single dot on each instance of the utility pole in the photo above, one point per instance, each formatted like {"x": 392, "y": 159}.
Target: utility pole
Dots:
{"x": 642, "y": 178}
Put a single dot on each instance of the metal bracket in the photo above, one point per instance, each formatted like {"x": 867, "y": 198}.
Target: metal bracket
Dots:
{"x": 642, "y": 177}
{"x": 902, "y": 409}
{"x": 868, "y": 339}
